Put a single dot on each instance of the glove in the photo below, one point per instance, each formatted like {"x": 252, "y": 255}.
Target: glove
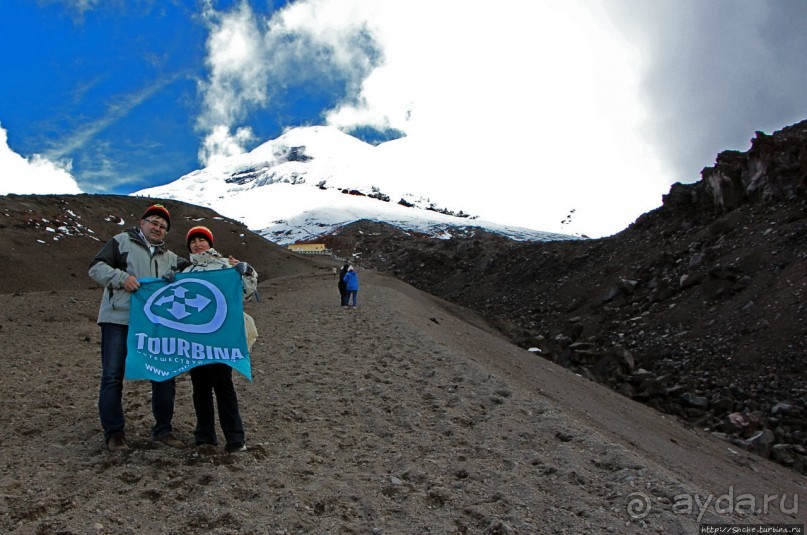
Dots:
{"x": 243, "y": 268}
{"x": 169, "y": 277}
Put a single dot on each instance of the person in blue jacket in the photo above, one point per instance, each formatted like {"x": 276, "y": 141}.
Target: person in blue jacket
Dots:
{"x": 351, "y": 287}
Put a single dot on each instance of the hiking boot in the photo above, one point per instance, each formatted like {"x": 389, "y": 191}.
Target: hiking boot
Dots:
{"x": 117, "y": 442}
{"x": 235, "y": 448}
{"x": 206, "y": 449}
{"x": 171, "y": 441}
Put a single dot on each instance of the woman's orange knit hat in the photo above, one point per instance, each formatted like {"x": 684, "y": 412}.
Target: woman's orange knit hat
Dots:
{"x": 199, "y": 231}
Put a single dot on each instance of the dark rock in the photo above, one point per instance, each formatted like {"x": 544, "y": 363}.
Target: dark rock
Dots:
{"x": 693, "y": 400}
{"x": 760, "y": 442}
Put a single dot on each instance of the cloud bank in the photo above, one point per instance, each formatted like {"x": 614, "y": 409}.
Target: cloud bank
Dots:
{"x": 35, "y": 175}
{"x": 715, "y": 72}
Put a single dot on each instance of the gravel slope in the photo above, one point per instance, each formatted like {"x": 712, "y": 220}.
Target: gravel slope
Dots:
{"x": 407, "y": 415}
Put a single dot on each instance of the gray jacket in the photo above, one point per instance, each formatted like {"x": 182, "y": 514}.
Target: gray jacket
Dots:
{"x": 127, "y": 254}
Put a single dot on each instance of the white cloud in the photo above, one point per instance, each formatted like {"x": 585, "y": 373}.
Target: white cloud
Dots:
{"x": 249, "y": 58}
{"x": 716, "y": 72}
{"x": 220, "y": 143}
{"x": 237, "y": 80}
{"x": 35, "y": 175}
{"x": 116, "y": 109}
{"x": 79, "y": 6}
{"x": 532, "y": 105}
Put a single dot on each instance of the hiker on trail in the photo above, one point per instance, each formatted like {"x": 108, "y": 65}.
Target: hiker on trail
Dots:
{"x": 351, "y": 287}
{"x": 136, "y": 253}
{"x": 218, "y": 377}
{"x": 342, "y": 285}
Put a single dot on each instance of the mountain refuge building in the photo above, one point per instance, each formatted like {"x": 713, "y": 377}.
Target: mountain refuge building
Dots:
{"x": 309, "y": 248}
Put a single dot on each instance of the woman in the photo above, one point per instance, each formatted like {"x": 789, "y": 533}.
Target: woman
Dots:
{"x": 217, "y": 378}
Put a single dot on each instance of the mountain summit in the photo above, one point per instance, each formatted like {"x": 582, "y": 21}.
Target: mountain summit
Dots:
{"x": 312, "y": 180}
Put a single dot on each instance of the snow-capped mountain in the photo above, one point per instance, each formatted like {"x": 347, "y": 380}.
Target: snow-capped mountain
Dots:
{"x": 312, "y": 180}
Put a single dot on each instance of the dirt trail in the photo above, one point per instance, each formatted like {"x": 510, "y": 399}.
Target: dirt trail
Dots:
{"x": 406, "y": 415}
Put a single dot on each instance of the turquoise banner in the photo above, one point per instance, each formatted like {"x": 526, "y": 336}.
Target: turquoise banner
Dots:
{"x": 198, "y": 319}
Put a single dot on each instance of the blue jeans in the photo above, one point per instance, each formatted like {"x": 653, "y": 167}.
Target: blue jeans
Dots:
{"x": 351, "y": 294}
{"x": 110, "y": 395}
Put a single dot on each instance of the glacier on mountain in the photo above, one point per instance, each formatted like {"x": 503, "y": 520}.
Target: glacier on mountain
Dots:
{"x": 312, "y": 180}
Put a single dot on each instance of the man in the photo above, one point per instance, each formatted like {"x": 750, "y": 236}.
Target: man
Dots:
{"x": 342, "y": 285}
{"x": 135, "y": 253}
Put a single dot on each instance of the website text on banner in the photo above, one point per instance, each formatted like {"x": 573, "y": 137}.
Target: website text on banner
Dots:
{"x": 195, "y": 320}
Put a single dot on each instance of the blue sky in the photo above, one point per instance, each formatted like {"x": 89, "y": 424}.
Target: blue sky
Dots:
{"x": 111, "y": 86}
{"x": 540, "y": 105}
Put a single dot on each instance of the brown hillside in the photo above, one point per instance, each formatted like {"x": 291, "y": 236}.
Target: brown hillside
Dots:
{"x": 49, "y": 240}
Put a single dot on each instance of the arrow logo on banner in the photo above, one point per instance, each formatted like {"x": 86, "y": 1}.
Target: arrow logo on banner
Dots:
{"x": 199, "y": 302}
{"x": 183, "y": 301}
